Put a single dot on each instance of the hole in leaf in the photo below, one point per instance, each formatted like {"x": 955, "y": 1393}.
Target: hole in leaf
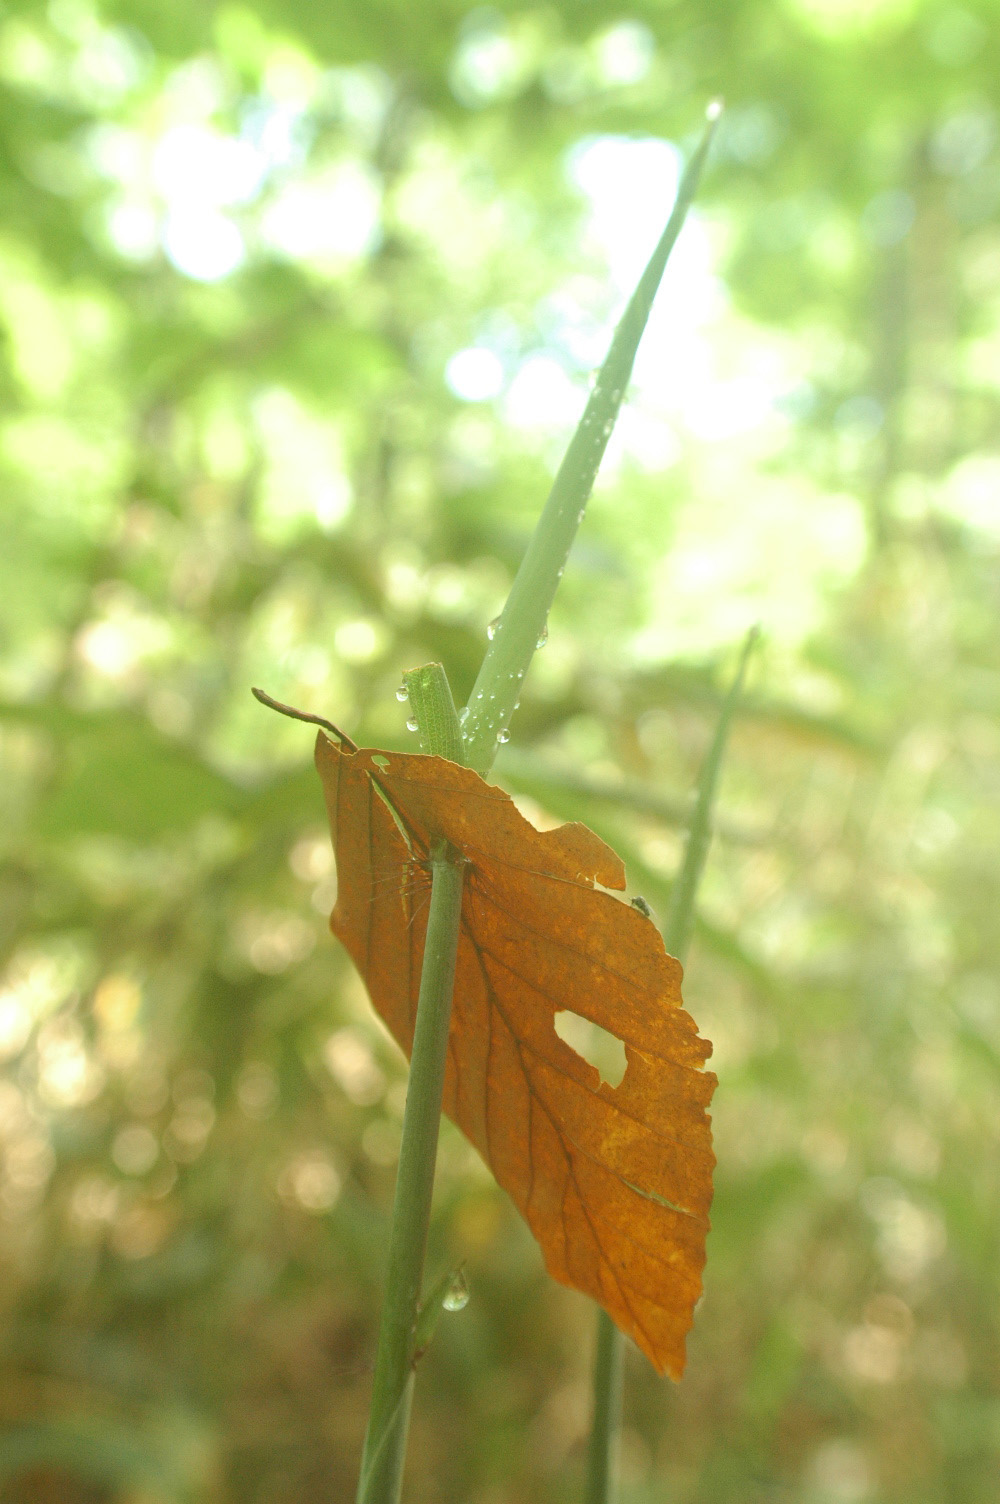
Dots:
{"x": 604, "y": 1051}
{"x": 380, "y": 761}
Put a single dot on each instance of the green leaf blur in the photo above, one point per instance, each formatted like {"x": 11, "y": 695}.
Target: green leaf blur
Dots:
{"x": 298, "y": 308}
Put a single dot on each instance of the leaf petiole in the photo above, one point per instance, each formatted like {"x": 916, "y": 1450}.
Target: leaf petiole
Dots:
{"x": 304, "y": 715}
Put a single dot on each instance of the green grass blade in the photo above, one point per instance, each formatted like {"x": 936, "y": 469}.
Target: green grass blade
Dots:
{"x": 522, "y": 624}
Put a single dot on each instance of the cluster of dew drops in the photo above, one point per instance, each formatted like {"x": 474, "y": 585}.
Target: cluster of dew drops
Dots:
{"x": 503, "y": 735}
{"x": 494, "y": 627}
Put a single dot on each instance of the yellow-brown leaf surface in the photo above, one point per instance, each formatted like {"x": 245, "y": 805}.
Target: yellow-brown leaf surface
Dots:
{"x": 614, "y": 1182}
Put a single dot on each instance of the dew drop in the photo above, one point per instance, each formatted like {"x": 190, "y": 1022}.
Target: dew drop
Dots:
{"x": 411, "y": 724}
{"x": 456, "y": 1297}
{"x": 503, "y": 735}
{"x": 493, "y": 628}
{"x": 402, "y": 694}
{"x": 543, "y": 638}
{"x": 463, "y": 715}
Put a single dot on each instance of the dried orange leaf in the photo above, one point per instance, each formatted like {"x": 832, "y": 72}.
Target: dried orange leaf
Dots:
{"x": 614, "y": 1182}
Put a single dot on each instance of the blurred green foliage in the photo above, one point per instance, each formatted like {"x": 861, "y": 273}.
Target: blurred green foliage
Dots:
{"x": 243, "y": 248}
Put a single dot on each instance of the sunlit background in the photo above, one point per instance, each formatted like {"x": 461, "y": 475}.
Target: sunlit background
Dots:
{"x": 299, "y": 306}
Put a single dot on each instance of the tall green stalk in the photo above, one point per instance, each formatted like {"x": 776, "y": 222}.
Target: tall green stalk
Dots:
{"x": 601, "y": 1480}
{"x": 384, "y": 1452}
{"x": 483, "y": 725}
{"x": 382, "y": 1460}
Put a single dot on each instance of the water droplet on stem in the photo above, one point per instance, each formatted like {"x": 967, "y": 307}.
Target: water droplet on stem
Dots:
{"x": 456, "y": 1296}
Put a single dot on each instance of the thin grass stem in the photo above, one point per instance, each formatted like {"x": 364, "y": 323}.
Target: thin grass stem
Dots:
{"x": 602, "y": 1456}
{"x": 601, "y": 1485}
{"x": 385, "y": 1443}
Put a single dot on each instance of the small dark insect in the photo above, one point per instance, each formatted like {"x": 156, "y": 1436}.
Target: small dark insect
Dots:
{"x": 638, "y": 902}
